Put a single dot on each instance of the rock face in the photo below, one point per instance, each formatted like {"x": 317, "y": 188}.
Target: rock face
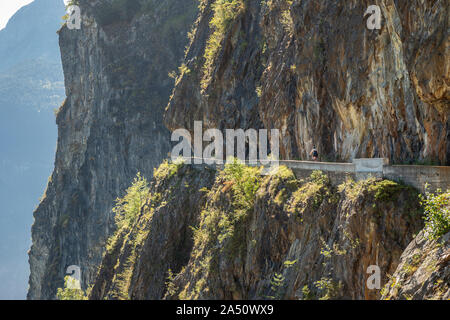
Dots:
{"x": 291, "y": 65}
{"x": 315, "y": 71}
{"x": 423, "y": 271}
{"x": 110, "y": 127}
{"x": 289, "y": 238}
{"x": 136, "y": 265}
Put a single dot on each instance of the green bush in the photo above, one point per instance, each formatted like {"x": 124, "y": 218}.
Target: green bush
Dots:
{"x": 167, "y": 169}
{"x": 314, "y": 191}
{"x": 246, "y": 181}
{"x": 382, "y": 190}
{"x": 170, "y": 285}
{"x": 225, "y": 12}
{"x": 437, "y": 212}
{"x": 276, "y": 287}
{"x": 69, "y": 293}
{"x": 221, "y": 229}
{"x": 329, "y": 287}
{"x": 386, "y": 190}
{"x": 319, "y": 177}
{"x": 307, "y": 295}
{"x": 128, "y": 207}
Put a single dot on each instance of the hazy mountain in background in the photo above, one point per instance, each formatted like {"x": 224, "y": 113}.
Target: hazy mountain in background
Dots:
{"x": 30, "y": 33}
{"x": 31, "y": 87}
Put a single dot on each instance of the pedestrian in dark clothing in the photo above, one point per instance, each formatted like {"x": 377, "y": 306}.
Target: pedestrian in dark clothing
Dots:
{"x": 314, "y": 154}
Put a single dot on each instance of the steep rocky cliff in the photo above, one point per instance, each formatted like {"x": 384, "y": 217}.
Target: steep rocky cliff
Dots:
{"x": 110, "y": 127}
{"x": 312, "y": 69}
{"x": 423, "y": 271}
{"x": 234, "y": 234}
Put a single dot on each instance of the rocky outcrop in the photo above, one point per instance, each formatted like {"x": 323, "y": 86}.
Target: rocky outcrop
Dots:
{"x": 291, "y": 65}
{"x": 234, "y": 234}
{"x": 315, "y": 71}
{"x": 136, "y": 264}
{"x": 423, "y": 272}
{"x": 110, "y": 127}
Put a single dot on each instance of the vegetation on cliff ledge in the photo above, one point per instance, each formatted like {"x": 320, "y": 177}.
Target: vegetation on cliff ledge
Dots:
{"x": 222, "y": 240}
{"x": 128, "y": 207}
{"x": 70, "y": 291}
{"x": 226, "y": 243}
{"x": 225, "y": 12}
{"x": 437, "y": 213}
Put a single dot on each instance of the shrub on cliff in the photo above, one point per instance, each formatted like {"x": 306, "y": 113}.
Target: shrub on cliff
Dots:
{"x": 225, "y": 12}
{"x": 167, "y": 169}
{"x": 437, "y": 213}
{"x": 314, "y": 191}
{"x": 128, "y": 207}
{"x": 245, "y": 182}
{"x": 70, "y": 292}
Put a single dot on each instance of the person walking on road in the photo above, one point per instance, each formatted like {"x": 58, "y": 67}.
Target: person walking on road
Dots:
{"x": 314, "y": 154}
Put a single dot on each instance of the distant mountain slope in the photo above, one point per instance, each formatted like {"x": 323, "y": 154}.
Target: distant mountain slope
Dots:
{"x": 30, "y": 33}
{"x": 31, "y": 86}
{"x": 34, "y": 84}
